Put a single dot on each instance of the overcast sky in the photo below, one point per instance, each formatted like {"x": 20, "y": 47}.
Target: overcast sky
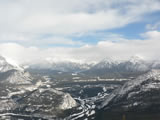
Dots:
{"x": 79, "y": 30}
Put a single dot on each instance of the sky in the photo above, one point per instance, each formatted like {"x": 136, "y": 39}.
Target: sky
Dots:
{"x": 79, "y": 30}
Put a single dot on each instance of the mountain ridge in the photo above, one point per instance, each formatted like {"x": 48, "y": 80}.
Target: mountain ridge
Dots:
{"x": 141, "y": 85}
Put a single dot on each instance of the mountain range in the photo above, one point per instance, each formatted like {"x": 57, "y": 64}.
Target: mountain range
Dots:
{"x": 106, "y": 68}
{"x": 28, "y": 95}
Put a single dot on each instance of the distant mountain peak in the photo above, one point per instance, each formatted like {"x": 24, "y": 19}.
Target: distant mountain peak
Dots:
{"x": 7, "y": 64}
{"x": 4, "y": 65}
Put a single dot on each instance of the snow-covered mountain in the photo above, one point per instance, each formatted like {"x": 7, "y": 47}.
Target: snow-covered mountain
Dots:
{"x": 141, "y": 94}
{"x": 106, "y": 63}
{"x": 135, "y": 64}
{"x": 11, "y": 74}
{"x": 130, "y": 67}
{"x": 120, "y": 68}
{"x": 4, "y": 65}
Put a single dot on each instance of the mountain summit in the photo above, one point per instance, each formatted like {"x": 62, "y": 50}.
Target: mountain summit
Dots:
{"x": 4, "y": 65}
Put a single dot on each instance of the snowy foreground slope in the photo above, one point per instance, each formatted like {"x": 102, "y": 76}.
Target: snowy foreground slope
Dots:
{"x": 22, "y": 94}
{"x": 142, "y": 94}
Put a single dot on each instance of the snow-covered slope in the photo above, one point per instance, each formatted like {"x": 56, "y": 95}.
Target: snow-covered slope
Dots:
{"x": 40, "y": 102}
{"x": 106, "y": 63}
{"x": 15, "y": 77}
{"x": 136, "y": 64}
{"x": 141, "y": 93}
{"x": 49, "y": 100}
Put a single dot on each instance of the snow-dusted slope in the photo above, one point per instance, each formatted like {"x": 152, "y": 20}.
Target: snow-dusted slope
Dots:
{"x": 40, "y": 102}
{"x": 16, "y": 77}
{"x": 67, "y": 102}
{"x": 141, "y": 93}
